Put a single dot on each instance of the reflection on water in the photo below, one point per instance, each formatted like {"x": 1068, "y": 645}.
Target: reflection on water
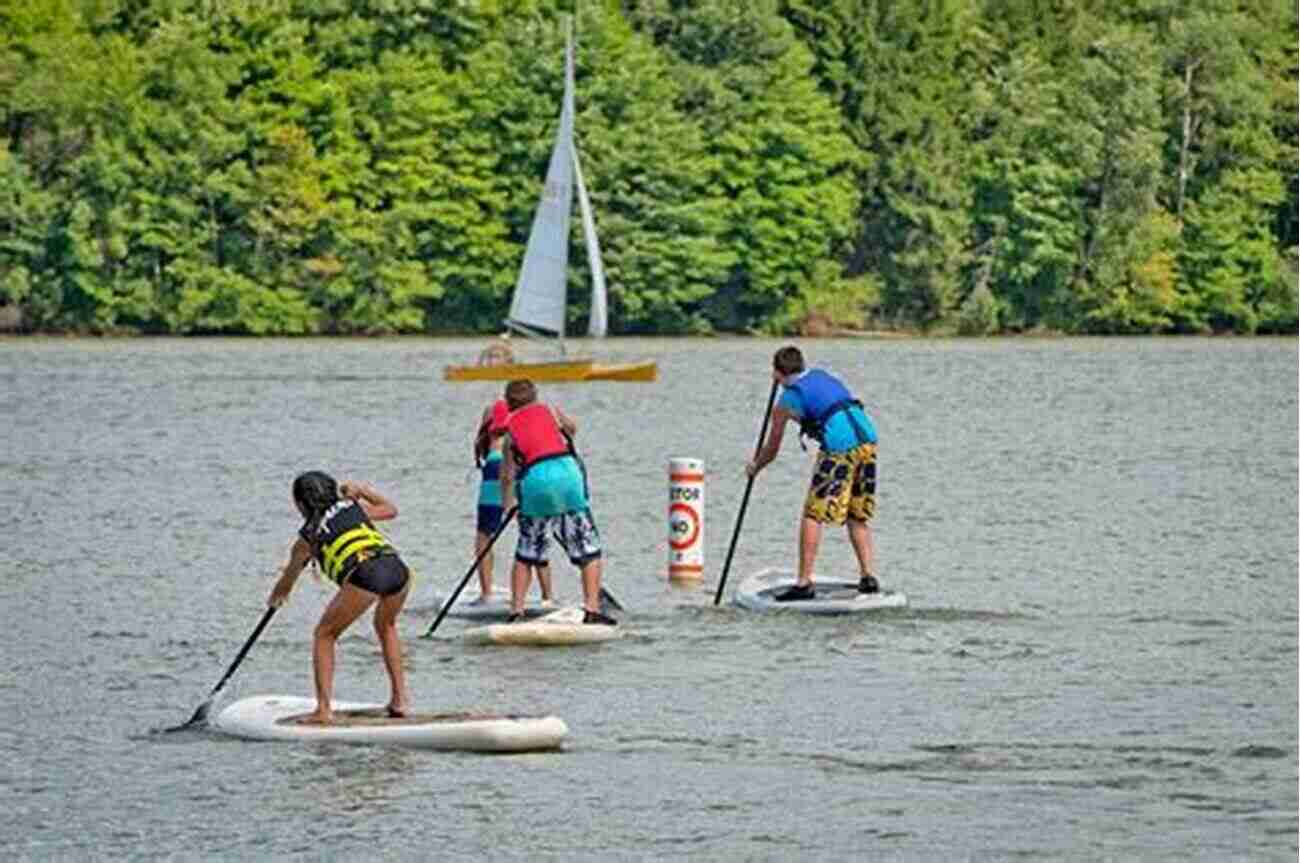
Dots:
{"x": 344, "y": 779}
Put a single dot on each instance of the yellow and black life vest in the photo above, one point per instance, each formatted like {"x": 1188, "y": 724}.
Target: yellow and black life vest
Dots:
{"x": 343, "y": 538}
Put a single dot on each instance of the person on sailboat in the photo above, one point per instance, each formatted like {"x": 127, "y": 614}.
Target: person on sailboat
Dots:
{"x": 338, "y": 532}
{"x": 499, "y": 353}
{"x": 488, "y": 444}
{"x": 843, "y": 487}
{"x": 544, "y": 472}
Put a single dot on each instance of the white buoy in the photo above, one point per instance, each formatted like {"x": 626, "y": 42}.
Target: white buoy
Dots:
{"x": 685, "y": 519}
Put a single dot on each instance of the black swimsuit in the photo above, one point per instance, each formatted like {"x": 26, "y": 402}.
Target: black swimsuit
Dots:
{"x": 384, "y": 575}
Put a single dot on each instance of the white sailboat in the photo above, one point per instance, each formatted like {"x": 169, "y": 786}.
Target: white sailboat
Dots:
{"x": 537, "y": 309}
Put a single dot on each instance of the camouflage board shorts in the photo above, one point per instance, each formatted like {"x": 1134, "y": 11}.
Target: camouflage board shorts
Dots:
{"x": 843, "y": 486}
{"x": 575, "y": 532}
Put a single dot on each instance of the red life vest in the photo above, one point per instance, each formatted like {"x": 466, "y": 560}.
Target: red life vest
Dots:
{"x": 535, "y": 435}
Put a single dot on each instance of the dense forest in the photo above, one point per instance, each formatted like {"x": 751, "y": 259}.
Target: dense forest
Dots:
{"x": 372, "y": 166}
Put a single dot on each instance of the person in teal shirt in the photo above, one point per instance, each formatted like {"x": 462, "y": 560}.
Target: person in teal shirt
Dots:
{"x": 542, "y": 471}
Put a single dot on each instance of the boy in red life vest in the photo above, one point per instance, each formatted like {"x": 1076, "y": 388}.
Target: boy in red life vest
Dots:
{"x": 488, "y": 457}
{"x": 843, "y": 486}
{"x": 543, "y": 471}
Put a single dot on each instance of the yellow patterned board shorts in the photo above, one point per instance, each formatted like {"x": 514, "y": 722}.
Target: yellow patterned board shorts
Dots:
{"x": 843, "y": 486}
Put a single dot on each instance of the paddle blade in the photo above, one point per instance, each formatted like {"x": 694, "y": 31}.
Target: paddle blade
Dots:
{"x": 200, "y": 717}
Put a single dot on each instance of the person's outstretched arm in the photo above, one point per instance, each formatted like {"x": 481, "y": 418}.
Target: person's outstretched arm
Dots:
{"x": 299, "y": 557}
{"x": 773, "y": 446}
{"x": 507, "y": 477}
{"x": 377, "y": 507}
{"x": 566, "y": 423}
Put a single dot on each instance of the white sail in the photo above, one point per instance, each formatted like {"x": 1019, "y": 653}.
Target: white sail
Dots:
{"x": 599, "y": 310}
{"x": 540, "y": 293}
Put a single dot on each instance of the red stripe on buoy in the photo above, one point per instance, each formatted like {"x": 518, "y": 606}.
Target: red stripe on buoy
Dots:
{"x": 694, "y": 519}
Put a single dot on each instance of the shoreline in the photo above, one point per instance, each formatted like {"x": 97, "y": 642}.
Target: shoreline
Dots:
{"x": 840, "y": 335}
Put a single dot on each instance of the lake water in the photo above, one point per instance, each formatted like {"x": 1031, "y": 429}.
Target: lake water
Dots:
{"x": 1098, "y": 539}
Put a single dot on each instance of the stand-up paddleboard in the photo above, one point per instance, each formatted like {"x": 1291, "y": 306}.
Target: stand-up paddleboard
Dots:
{"x": 834, "y": 595}
{"x": 275, "y": 717}
{"x": 494, "y": 608}
{"x": 557, "y": 629}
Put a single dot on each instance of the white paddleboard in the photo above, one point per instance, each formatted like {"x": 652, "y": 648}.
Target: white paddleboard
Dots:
{"x": 496, "y": 607}
{"x": 557, "y": 629}
{"x": 834, "y": 595}
{"x": 273, "y": 717}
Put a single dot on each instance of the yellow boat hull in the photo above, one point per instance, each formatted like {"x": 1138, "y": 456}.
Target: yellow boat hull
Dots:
{"x": 557, "y": 371}
{"x": 635, "y": 372}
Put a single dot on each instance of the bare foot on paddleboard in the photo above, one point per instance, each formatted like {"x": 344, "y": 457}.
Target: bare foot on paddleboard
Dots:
{"x": 316, "y": 719}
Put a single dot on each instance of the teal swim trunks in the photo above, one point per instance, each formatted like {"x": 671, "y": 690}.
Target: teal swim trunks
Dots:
{"x": 553, "y": 487}
{"x": 489, "y": 489}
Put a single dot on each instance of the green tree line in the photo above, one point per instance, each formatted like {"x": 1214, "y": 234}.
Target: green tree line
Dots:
{"x": 372, "y": 166}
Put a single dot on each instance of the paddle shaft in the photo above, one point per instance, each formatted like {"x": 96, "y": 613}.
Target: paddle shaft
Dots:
{"x": 487, "y": 549}
{"x": 611, "y": 601}
{"x": 201, "y": 713}
{"x": 744, "y": 501}
{"x": 243, "y": 651}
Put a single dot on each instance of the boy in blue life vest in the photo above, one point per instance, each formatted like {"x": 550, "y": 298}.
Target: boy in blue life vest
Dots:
{"x": 487, "y": 456}
{"x": 543, "y": 470}
{"x": 843, "y": 488}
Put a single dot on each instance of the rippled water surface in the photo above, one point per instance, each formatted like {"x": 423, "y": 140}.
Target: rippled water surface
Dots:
{"x": 1098, "y": 539}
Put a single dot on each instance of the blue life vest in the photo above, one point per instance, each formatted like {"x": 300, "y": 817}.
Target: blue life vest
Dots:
{"x": 823, "y": 396}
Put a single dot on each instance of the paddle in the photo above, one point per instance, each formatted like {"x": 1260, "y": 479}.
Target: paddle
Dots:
{"x": 610, "y": 600}
{"x": 201, "y": 715}
{"x": 446, "y": 606}
{"x": 744, "y": 502}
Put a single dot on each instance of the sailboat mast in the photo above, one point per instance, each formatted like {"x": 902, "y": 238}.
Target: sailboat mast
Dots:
{"x": 538, "y": 305}
{"x": 570, "y": 109}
